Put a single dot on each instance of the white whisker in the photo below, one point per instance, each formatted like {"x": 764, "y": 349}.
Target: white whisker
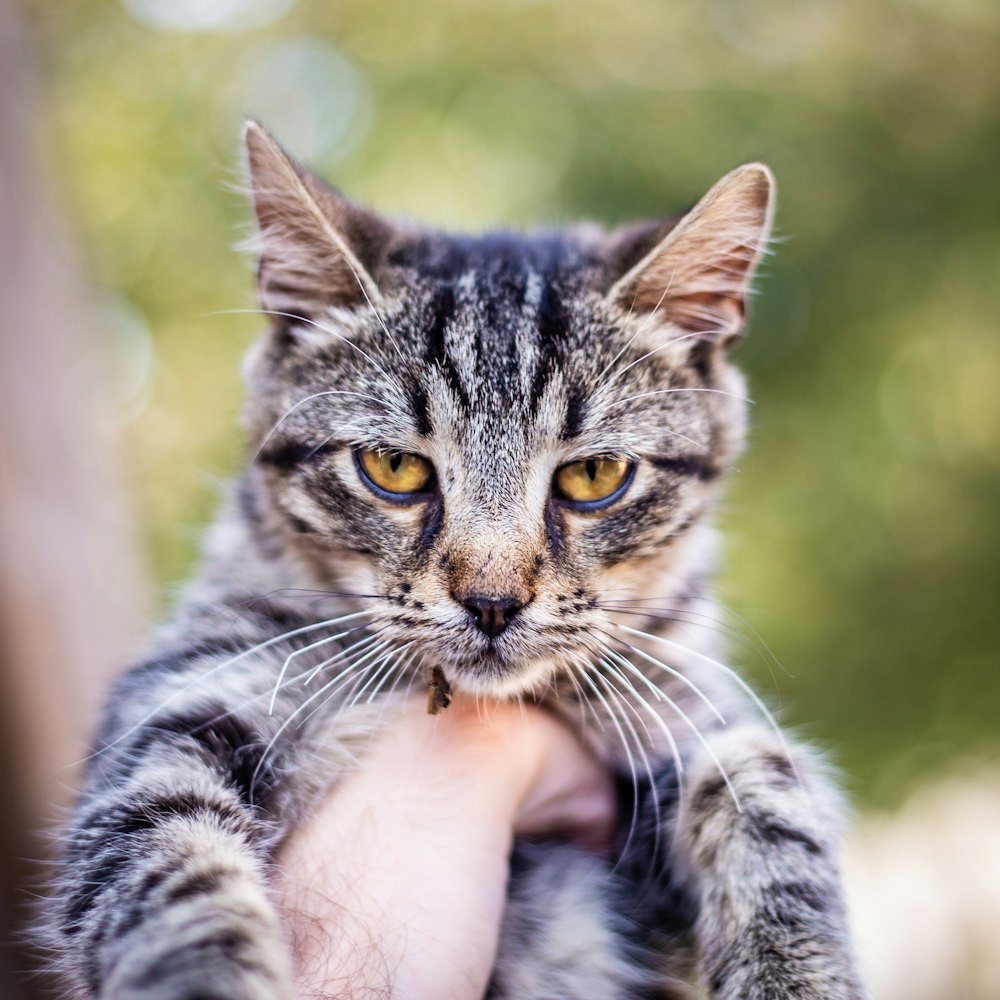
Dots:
{"x": 622, "y": 697}
{"x": 305, "y": 649}
{"x": 691, "y": 725}
{"x": 757, "y": 636}
{"x": 585, "y": 674}
{"x": 203, "y": 678}
{"x": 660, "y": 695}
{"x": 612, "y": 669}
{"x": 399, "y": 669}
{"x": 310, "y": 322}
{"x": 391, "y": 666}
{"x": 302, "y": 402}
{"x": 583, "y": 704}
{"x": 742, "y": 684}
{"x": 641, "y": 607}
{"x": 649, "y": 318}
{"x": 663, "y": 392}
{"x": 655, "y": 350}
{"x": 673, "y": 671}
{"x": 354, "y": 647}
{"x": 325, "y": 689}
{"x": 375, "y": 649}
{"x": 620, "y": 702}
{"x": 371, "y": 305}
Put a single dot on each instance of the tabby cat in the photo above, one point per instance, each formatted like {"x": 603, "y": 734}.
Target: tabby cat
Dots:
{"x": 491, "y": 461}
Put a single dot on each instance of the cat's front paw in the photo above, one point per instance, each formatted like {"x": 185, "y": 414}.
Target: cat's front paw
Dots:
{"x": 220, "y": 983}
{"x": 210, "y": 960}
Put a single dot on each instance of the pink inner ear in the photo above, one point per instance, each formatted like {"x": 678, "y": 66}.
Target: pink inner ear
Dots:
{"x": 706, "y": 297}
{"x": 709, "y": 300}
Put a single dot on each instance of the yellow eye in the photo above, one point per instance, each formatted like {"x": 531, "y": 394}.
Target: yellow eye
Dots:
{"x": 396, "y": 471}
{"x": 592, "y": 479}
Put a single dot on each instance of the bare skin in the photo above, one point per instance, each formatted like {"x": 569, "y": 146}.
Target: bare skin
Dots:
{"x": 396, "y": 887}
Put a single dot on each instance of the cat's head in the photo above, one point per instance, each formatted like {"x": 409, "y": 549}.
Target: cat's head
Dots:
{"x": 502, "y": 438}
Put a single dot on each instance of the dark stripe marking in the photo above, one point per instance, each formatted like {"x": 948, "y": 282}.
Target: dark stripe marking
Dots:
{"x": 146, "y": 814}
{"x": 555, "y": 526}
{"x": 431, "y": 524}
{"x": 286, "y": 456}
{"x": 108, "y": 867}
{"x": 235, "y": 749}
{"x": 442, "y": 311}
{"x": 231, "y": 747}
{"x": 199, "y": 884}
{"x": 167, "y": 663}
{"x": 576, "y": 413}
{"x": 773, "y": 830}
{"x": 543, "y": 373}
{"x": 228, "y": 941}
{"x": 553, "y": 320}
{"x": 421, "y": 410}
{"x": 701, "y": 466}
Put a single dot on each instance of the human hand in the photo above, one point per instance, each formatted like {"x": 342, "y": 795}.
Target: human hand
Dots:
{"x": 398, "y": 882}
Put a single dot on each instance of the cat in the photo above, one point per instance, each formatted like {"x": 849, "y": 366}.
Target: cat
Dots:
{"x": 485, "y": 463}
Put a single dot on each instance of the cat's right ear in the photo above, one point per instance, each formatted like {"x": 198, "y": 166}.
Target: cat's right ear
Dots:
{"x": 316, "y": 249}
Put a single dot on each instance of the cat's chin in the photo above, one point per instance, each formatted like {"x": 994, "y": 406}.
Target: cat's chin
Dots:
{"x": 492, "y": 675}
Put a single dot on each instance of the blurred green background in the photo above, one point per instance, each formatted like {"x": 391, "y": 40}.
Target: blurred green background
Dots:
{"x": 864, "y": 538}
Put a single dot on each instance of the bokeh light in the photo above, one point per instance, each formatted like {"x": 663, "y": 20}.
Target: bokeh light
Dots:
{"x": 321, "y": 100}
{"x": 205, "y": 15}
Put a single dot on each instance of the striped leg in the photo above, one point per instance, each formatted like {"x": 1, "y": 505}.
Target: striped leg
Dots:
{"x": 164, "y": 893}
{"x": 566, "y": 935}
{"x": 771, "y": 918}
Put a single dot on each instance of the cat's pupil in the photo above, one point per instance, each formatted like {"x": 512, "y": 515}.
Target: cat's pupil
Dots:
{"x": 395, "y": 461}
{"x": 592, "y": 468}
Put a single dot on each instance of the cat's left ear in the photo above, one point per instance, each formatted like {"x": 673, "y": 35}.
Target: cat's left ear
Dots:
{"x": 317, "y": 249}
{"x": 697, "y": 276}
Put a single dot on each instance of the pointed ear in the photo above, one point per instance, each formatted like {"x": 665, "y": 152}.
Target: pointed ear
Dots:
{"x": 316, "y": 248}
{"x": 697, "y": 276}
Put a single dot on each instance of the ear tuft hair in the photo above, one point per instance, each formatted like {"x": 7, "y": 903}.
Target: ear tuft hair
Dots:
{"x": 316, "y": 248}
{"x": 697, "y": 276}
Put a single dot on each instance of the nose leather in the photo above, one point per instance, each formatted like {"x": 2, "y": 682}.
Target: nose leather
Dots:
{"x": 492, "y": 614}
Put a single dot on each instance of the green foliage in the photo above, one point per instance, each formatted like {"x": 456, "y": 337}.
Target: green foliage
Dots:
{"x": 865, "y": 541}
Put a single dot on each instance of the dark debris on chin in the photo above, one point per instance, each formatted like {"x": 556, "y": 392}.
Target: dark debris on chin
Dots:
{"x": 438, "y": 691}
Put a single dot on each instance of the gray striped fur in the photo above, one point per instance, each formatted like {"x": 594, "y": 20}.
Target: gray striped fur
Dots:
{"x": 499, "y": 358}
